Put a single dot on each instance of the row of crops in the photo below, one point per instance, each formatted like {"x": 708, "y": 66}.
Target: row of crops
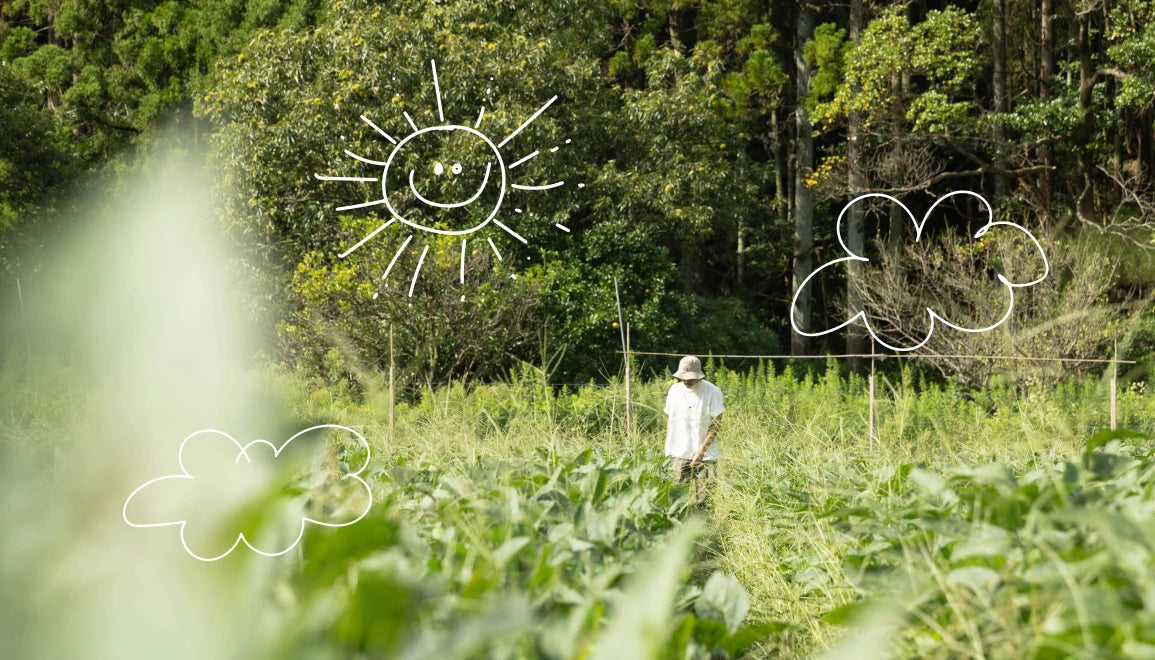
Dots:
{"x": 583, "y": 557}
{"x": 512, "y": 558}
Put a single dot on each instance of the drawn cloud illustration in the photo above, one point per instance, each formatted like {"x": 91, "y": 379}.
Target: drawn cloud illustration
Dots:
{"x": 210, "y": 453}
{"x": 860, "y": 315}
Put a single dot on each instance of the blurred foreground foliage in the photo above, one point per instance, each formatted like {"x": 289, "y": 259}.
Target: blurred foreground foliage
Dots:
{"x": 512, "y": 520}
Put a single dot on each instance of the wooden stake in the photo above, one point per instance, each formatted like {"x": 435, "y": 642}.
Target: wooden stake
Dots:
{"x": 390, "y": 384}
{"x": 1114, "y": 378}
{"x": 24, "y": 318}
{"x": 871, "y": 428}
{"x": 629, "y": 407}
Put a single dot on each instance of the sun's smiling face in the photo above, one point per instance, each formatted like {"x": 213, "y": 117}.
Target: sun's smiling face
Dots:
{"x": 445, "y": 180}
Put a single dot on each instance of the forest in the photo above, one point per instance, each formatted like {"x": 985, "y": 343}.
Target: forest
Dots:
{"x": 716, "y": 143}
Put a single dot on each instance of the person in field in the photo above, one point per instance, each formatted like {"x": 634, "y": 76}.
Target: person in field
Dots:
{"x": 693, "y": 412}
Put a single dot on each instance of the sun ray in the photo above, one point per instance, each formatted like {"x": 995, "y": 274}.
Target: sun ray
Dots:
{"x": 511, "y": 232}
{"x": 363, "y": 240}
{"x": 346, "y": 178}
{"x": 398, "y": 254}
{"x": 527, "y": 122}
{"x": 378, "y": 129}
{"x": 361, "y": 205}
{"x": 520, "y": 161}
{"x": 479, "y": 116}
{"x": 494, "y": 248}
{"x": 463, "y": 261}
{"x": 561, "y": 227}
{"x": 437, "y": 88}
{"x": 545, "y": 187}
{"x": 363, "y": 159}
{"x": 410, "y": 120}
{"x": 417, "y": 271}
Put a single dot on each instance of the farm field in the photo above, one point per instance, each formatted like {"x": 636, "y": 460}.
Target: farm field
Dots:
{"x": 510, "y": 521}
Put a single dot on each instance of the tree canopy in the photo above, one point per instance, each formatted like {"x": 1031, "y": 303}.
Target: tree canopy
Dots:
{"x": 680, "y": 120}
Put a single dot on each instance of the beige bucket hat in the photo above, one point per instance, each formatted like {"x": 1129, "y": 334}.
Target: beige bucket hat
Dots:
{"x": 689, "y": 368}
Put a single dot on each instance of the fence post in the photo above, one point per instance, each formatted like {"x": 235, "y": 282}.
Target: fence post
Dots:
{"x": 1114, "y": 378}
{"x": 24, "y": 318}
{"x": 871, "y": 428}
{"x": 390, "y": 384}
{"x": 629, "y": 405}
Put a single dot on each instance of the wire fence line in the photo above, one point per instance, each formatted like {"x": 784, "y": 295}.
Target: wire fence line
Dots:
{"x": 1114, "y": 362}
{"x": 883, "y": 356}
{"x": 872, "y": 424}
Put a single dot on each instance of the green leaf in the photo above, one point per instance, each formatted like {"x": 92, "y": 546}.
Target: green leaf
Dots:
{"x": 844, "y": 614}
{"x": 723, "y": 599}
{"x": 751, "y": 634}
{"x": 641, "y": 617}
{"x": 983, "y": 541}
{"x": 508, "y": 549}
{"x": 979, "y": 579}
{"x": 1103, "y": 437}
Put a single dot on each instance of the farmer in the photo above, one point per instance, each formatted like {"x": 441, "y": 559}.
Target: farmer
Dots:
{"x": 693, "y": 411}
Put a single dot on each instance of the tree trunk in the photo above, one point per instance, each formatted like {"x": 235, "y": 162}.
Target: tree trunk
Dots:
{"x": 898, "y": 219}
{"x": 999, "y": 87}
{"x": 781, "y": 169}
{"x": 803, "y": 202}
{"x": 741, "y": 254}
{"x": 1143, "y": 140}
{"x": 856, "y": 336}
{"x": 1046, "y": 72}
{"x": 1085, "y": 130}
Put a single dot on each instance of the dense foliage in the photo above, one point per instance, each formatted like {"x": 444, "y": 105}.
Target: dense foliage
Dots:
{"x": 679, "y": 126}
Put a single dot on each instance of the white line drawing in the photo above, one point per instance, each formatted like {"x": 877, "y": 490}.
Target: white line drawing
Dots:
{"x": 522, "y": 160}
{"x": 437, "y": 90}
{"x": 860, "y": 315}
{"x": 345, "y": 178}
{"x": 545, "y": 187}
{"x": 494, "y": 248}
{"x": 363, "y": 240}
{"x": 397, "y": 254}
{"x": 510, "y": 232}
{"x": 561, "y": 227}
{"x": 378, "y": 129}
{"x": 527, "y": 122}
{"x": 495, "y": 175}
{"x": 244, "y": 454}
{"x": 454, "y": 205}
{"x": 417, "y": 271}
{"x": 410, "y": 120}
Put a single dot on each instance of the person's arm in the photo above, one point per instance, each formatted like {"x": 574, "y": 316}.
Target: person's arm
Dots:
{"x": 714, "y": 422}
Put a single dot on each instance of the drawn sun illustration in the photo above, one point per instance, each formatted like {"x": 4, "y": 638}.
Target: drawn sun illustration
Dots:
{"x": 447, "y": 179}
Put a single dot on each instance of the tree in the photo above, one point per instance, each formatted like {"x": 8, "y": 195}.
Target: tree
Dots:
{"x": 804, "y": 165}
{"x": 645, "y": 140}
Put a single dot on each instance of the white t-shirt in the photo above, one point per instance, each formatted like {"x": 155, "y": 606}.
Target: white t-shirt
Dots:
{"x": 690, "y": 412}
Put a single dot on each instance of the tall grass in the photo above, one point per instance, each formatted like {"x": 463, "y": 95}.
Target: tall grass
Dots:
{"x": 794, "y": 450}
{"x": 804, "y": 515}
